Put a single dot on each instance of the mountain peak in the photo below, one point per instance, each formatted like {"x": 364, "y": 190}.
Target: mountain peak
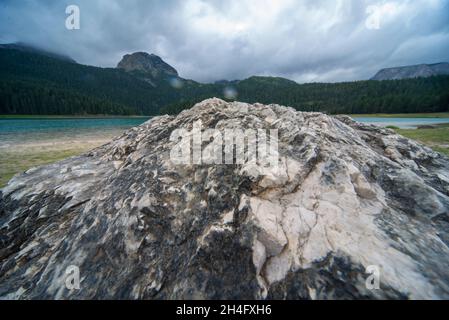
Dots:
{"x": 148, "y": 64}
{"x": 416, "y": 71}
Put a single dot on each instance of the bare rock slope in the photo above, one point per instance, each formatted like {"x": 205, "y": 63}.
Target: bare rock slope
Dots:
{"x": 147, "y": 64}
{"x": 345, "y": 196}
{"x": 410, "y": 72}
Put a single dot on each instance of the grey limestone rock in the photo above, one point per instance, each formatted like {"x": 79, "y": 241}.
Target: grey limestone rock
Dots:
{"x": 345, "y": 197}
{"x": 147, "y": 64}
{"x": 410, "y": 72}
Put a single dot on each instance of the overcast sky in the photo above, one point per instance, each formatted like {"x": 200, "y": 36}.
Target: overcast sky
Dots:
{"x": 304, "y": 40}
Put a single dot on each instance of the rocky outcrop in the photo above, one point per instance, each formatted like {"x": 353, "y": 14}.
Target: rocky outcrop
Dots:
{"x": 345, "y": 198}
{"x": 149, "y": 65}
{"x": 410, "y": 72}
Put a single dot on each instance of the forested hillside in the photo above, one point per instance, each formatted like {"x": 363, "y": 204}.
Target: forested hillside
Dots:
{"x": 398, "y": 96}
{"x": 40, "y": 97}
{"x": 395, "y": 96}
{"x": 31, "y": 83}
{"x": 64, "y": 83}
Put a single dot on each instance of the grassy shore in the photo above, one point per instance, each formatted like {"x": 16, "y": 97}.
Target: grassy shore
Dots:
{"x": 24, "y": 149}
{"x": 12, "y": 163}
{"x": 25, "y": 156}
{"x": 402, "y": 115}
{"x": 437, "y": 138}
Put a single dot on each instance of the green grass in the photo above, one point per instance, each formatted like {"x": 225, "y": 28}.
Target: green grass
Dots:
{"x": 12, "y": 162}
{"x": 402, "y": 115}
{"x": 437, "y": 139}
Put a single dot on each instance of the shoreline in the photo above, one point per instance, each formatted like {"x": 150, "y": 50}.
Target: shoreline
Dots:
{"x": 441, "y": 115}
{"x": 68, "y": 117}
{"x": 23, "y": 157}
{"x": 20, "y": 156}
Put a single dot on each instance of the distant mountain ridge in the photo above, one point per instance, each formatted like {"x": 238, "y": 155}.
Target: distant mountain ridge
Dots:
{"x": 41, "y": 83}
{"x": 410, "y": 72}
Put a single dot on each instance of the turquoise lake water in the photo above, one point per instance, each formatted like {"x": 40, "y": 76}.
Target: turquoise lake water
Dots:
{"x": 23, "y": 130}
{"x": 403, "y": 123}
{"x": 63, "y": 124}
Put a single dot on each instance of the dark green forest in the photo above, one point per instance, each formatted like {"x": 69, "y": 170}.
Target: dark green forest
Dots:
{"x": 35, "y": 84}
{"x": 392, "y": 96}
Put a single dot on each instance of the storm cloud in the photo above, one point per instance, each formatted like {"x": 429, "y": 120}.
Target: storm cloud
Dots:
{"x": 307, "y": 41}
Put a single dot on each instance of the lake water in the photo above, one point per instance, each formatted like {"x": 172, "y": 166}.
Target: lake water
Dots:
{"x": 403, "y": 123}
{"x": 22, "y": 130}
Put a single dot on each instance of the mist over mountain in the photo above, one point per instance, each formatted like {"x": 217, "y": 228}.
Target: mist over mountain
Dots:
{"x": 303, "y": 40}
{"x": 32, "y": 49}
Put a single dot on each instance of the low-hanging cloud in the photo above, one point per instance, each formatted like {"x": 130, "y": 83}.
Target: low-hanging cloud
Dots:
{"x": 307, "y": 41}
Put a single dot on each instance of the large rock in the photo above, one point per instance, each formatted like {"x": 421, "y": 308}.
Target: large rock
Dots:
{"x": 345, "y": 197}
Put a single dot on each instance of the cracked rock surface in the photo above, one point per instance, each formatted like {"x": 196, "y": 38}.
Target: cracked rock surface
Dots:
{"x": 344, "y": 197}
